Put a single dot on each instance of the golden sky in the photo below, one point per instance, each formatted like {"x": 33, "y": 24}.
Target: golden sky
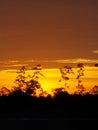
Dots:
{"x": 48, "y": 29}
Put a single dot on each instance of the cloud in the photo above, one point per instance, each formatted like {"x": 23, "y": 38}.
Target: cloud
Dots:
{"x": 13, "y": 61}
{"x": 17, "y": 65}
{"x": 80, "y": 60}
{"x": 95, "y": 51}
{"x": 76, "y": 60}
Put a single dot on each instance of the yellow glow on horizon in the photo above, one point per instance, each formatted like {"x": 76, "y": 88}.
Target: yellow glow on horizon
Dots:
{"x": 51, "y": 78}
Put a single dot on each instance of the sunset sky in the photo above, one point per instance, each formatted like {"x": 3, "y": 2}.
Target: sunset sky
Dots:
{"x": 48, "y": 29}
{"x": 49, "y": 32}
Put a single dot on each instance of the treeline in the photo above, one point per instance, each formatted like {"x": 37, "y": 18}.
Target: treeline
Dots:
{"x": 64, "y": 106}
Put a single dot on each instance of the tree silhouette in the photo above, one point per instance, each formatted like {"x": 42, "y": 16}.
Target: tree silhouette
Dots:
{"x": 94, "y": 90}
{"x": 29, "y": 83}
{"x": 33, "y": 84}
{"x": 20, "y": 80}
{"x": 80, "y": 71}
{"x": 56, "y": 91}
{"x": 96, "y": 65}
{"x": 37, "y": 72}
{"x": 4, "y": 91}
{"x": 32, "y": 87}
{"x": 65, "y": 72}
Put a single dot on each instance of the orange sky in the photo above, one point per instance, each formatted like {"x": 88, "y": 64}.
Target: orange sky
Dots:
{"x": 48, "y": 29}
{"x": 48, "y": 32}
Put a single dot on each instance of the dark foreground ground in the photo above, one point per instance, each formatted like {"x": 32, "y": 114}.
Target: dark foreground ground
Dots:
{"x": 63, "y": 111}
{"x": 63, "y": 106}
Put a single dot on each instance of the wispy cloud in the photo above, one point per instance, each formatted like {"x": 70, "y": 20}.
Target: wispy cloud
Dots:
{"x": 95, "y": 51}
{"x": 77, "y": 60}
{"x": 18, "y": 65}
{"x": 13, "y": 61}
{"x": 32, "y": 61}
{"x": 9, "y": 62}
